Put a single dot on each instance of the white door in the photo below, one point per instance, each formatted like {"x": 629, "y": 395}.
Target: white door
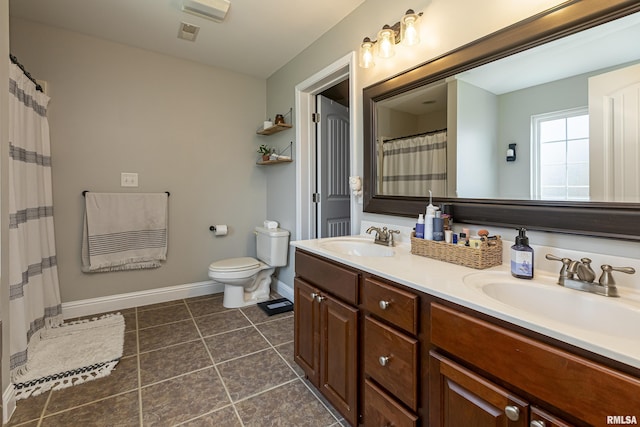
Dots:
{"x": 614, "y": 128}
{"x": 334, "y": 217}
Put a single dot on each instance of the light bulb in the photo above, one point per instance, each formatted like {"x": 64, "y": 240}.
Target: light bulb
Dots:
{"x": 409, "y": 29}
{"x": 366, "y": 53}
{"x": 386, "y": 42}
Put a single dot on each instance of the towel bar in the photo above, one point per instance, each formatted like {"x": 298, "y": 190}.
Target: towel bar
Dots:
{"x": 86, "y": 191}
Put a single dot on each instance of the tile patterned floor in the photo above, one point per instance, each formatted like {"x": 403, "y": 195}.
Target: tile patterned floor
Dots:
{"x": 192, "y": 363}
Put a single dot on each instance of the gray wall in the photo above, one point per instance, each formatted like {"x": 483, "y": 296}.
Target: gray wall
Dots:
{"x": 514, "y": 125}
{"x": 182, "y": 126}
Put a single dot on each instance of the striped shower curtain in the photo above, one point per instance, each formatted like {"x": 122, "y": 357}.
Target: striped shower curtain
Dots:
{"x": 34, "y": 296}
{"x": 412, "y": 166}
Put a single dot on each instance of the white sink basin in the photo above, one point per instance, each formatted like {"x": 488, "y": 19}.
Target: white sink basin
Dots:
{"x": 611, "y": 316}
{"x": 356, "y": 247}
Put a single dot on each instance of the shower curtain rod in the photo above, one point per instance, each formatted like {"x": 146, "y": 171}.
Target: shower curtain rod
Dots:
{"x": 26, "y": 73}
{"x": 431, "y": 132}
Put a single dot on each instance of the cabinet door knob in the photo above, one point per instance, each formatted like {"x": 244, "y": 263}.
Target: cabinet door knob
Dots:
{"x": 383, "y": 360}
{"x": 512, "y": 412}
{"x": 537, "y": 423}
{"x": 314, "y": 295}
{"x": 319, "y": 298}
{"x": 384, "y": 304}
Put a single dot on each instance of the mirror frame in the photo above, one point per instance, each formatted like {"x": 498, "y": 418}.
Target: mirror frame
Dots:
{"x": 600, "y": 219}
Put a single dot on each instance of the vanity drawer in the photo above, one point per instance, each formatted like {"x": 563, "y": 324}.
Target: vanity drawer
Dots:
{"x": 394, "y": 305}
{"x": 567, "y": 381}
{"x": 382, "y": 410}
{"x": 337, "y": 280}
{"x": 391, "y": 359}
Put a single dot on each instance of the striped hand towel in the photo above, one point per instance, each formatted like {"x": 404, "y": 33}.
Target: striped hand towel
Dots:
{"x": 124, "y": 231}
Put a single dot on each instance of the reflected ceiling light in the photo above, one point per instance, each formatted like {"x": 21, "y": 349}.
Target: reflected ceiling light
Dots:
{"x": 406, "y": 30}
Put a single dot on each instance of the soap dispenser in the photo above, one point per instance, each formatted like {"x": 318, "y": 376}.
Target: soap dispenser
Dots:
{"x": 522, "y": 257}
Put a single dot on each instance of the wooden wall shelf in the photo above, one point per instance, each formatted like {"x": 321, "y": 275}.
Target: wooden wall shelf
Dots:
{"x": 274, "y": 129}
{"x": 273, "y": 162}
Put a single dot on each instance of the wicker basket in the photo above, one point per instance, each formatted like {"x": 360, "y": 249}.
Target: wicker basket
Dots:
{"x": 489, "y": 254}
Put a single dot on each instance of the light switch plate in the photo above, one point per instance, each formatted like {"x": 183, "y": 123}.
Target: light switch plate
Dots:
{"x": 128, "y": 179}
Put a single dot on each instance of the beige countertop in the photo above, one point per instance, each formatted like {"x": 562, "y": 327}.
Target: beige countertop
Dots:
{"x": 620, "y": 342}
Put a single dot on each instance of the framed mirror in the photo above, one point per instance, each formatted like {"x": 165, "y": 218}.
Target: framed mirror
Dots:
{"x": 458, "y": 115}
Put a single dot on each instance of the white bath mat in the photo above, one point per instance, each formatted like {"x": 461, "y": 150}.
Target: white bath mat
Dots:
{"x": 71, "y": 354}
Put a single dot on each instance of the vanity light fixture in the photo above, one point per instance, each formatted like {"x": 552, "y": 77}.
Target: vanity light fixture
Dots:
{"x": 406, "y": 30}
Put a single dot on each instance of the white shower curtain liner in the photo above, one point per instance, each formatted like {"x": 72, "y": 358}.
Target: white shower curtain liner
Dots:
{"x": 412, "y": 166}
{"x": 34, "y": 295}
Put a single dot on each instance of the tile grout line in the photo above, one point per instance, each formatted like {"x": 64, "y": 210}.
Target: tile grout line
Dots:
{"x": 140, "y": 408}
{"x": 213, "y": 362}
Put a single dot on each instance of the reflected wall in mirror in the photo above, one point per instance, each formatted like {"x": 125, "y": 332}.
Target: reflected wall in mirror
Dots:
{"x": 547, "y": 100}
{"x": 557, "y": 85}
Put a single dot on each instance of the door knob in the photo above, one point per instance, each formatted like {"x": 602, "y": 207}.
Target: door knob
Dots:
{"x": 384, "y": 304}
{"x": 512, "y": 412}
{"x": 383, "y": 360}
{"x": 319, "y": 298}
{"x": 314, "y": 295}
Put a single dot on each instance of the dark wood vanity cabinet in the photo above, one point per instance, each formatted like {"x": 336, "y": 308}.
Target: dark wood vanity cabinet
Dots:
{"x": 386, "y": 355}
{"x": 326, "y": 330}
{"x": 490, "y": 369}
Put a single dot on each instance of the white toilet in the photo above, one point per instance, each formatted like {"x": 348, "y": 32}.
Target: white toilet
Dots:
{"x": 246, "y": 280}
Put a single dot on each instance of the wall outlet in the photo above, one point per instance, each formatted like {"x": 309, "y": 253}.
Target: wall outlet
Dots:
{"x": 128, "y": 179}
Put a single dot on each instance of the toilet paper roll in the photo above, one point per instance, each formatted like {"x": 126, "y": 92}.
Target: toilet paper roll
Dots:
{"x": 270, "y": 224}
{"x": 221, "y": 230}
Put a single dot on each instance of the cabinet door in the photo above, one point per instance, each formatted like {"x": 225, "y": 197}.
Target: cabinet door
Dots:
{"x": 307, "y": 330}
{"x": 338, "y": 356}
{"x": 459, "y": 397}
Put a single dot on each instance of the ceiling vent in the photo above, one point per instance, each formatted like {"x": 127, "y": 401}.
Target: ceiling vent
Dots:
{"x": 188, "y": 31}
{"x": 216, "y": 10}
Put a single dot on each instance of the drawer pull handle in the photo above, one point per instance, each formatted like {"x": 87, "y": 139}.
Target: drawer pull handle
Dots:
{"x": 537, "y": 423}
{"x": 512, "y": 412}
{"x": 384, "y": 304}
{"x": 384, "y": 360}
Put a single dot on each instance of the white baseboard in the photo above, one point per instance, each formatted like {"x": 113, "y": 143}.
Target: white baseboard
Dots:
{"x": 91, "y": 306}
{"x": 285, "y": 290}
{"x": 8, "y": 403}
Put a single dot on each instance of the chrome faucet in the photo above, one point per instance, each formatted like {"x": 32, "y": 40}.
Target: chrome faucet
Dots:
{"x": 580, "y": 276}
{"x": 384, "y": 236}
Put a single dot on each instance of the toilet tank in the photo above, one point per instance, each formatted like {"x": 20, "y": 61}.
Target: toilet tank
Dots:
{"x": 272, "y": 245}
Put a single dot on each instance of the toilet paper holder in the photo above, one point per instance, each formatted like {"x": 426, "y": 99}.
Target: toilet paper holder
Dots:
{"x": 219, "y": 230}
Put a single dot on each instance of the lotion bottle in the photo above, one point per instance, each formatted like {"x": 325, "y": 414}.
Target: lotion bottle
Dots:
{"x": 522, "y": 257}
{"x": 420, "y": 227}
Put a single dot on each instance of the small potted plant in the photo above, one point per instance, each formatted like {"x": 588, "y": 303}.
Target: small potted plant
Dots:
{"x": 265, "y": 151}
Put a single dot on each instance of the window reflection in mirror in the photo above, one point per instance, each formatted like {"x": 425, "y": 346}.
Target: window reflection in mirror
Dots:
{"x": 596, "y": 72}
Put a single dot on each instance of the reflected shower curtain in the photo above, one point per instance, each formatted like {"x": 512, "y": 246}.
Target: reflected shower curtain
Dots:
{"x": 413, "y": 166}
{"x": 34, "y": 296}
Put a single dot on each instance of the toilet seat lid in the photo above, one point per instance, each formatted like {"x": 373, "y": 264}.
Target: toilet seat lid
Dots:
{"x": 235, "y": 264}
